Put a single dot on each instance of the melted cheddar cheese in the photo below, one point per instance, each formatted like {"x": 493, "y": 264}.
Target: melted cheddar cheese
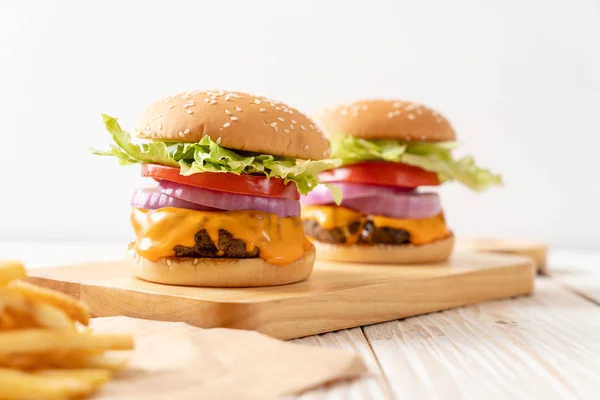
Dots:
{"x": 421, "y": 231}
{"x": 280, "y": 240}
{"x": 331, "y": 217}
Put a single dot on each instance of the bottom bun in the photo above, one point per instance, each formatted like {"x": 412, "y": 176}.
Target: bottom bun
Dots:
{"x": 386, "y": 253}
{"x": 221, "y": 272}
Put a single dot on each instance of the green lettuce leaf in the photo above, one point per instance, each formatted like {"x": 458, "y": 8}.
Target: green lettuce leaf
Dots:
{"x": 434, "y": 157}
{"x": 208, "y": 156}
{"x": 336, "y": 193}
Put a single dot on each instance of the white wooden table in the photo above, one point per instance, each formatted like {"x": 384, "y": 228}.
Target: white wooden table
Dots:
{"x": 544, "y": 346}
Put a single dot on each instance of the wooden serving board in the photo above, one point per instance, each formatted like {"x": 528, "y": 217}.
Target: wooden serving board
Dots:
{"x": 537, "y": 251}
{"x": 336, "y": 296}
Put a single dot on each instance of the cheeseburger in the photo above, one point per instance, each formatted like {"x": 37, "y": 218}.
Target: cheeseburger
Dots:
{"x": 391, "y": 151}
{"x": 229, "y": 168}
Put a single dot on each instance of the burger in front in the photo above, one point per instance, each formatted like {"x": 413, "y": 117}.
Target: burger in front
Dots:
{"x": 390, "y": 150}
{"x": 230, "y": 168}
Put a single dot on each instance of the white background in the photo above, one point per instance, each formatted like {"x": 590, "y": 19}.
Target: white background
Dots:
{"x": 519, "y": 80}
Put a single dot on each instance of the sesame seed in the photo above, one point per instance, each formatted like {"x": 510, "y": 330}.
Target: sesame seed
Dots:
{"x": 419, "y": 111}
{"x": 169, "y": 263}
{"x": 291, "y": 126}
{"x": 227, "y": 112}
{"x": 190, "y": 112}
{"x": 171, "y": 106}
{"x": 365, "y": 107}
{"x": 286, "y": 130}
{"x": 226, "y": 124}
{"x": 411, "y": 116}
{"x": 181, "y": 134}
{"x": 185, "y": 96}
{"x": 302, "y": 127}
{"x": 227, "y": 97}
{"x": 278, "y": 108}
{"x": 219, "y": 140}
{"x": 281, "y": 119}
{"x": 263, "y": 109}
{"x": 390, "y": 115}
{"x": 186, "y": 131}
{"x": 311, "y": 127}
{"x": 206, "y": 100}
{"x": 186, "y": 105}
{"x": 195, "y": 261}
{"x": 256, "y": 101}
{"x": 291, "y": 112}
{"x": 159, "y": 127}
{"x": 438, "y": 120}
{"x": 213, "y": 101}
{"x": 238, "y": 109}
{"x": 409, "y": 107}
{"x": 344, "y": 112}
{"x": 234, "y": 118}
{"x": 306, "y": 148}
{"x": 273, "y": 124}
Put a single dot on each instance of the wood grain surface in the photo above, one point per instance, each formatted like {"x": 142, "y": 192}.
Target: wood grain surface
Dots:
{"x": 580, "y": 272}
{"x": 336, "y": 296}
{"x": 540, "y": 347}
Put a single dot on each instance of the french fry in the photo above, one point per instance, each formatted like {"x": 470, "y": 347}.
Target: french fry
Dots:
{"x": 112, "y": 362}
{"x": 44, "y": 354}
{"x": 77, "y": 310}
{"x": 45, "y": 340}
{"x": 11, "y": 270}
{"x": 42, "y": 314}
{"x": 93, "y": 376}
{"x": 7, "y": 321}
{"x": 17, "y": 385}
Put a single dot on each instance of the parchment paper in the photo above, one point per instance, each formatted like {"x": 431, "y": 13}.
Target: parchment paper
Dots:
{"x": 177, "y": 361}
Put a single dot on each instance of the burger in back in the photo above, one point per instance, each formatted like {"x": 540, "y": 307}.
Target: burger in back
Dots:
{"x": 224, "y": 211}
{"x": 392, "y": 153}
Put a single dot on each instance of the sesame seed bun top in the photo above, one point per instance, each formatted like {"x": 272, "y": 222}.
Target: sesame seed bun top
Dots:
{"x": 386, "y": 119}
{"x": 235, "y": 120}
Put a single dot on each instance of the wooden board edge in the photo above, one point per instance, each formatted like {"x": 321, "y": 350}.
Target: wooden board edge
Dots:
{"x": 523, "y": 272}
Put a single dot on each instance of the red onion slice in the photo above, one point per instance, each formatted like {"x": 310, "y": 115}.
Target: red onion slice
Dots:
{"x": 152, "y": 199}
{"x": 230, "y": 201}
{"x": 322, "y": 195}
{"x": 400, "y": 205}
{"x": 377, "y": 200}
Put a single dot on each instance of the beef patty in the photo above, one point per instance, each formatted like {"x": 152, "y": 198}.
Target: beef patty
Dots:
{"x": 205, "y": 247}
{"x": 369, "y": 233}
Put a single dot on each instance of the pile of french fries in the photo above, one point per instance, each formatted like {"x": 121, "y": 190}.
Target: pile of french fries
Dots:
{"x": 47, "y": 350}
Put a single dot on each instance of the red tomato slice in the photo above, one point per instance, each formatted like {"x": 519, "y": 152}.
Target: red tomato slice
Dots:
{"x": 241, "y": 184}
{"x": 381, "y": 173}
